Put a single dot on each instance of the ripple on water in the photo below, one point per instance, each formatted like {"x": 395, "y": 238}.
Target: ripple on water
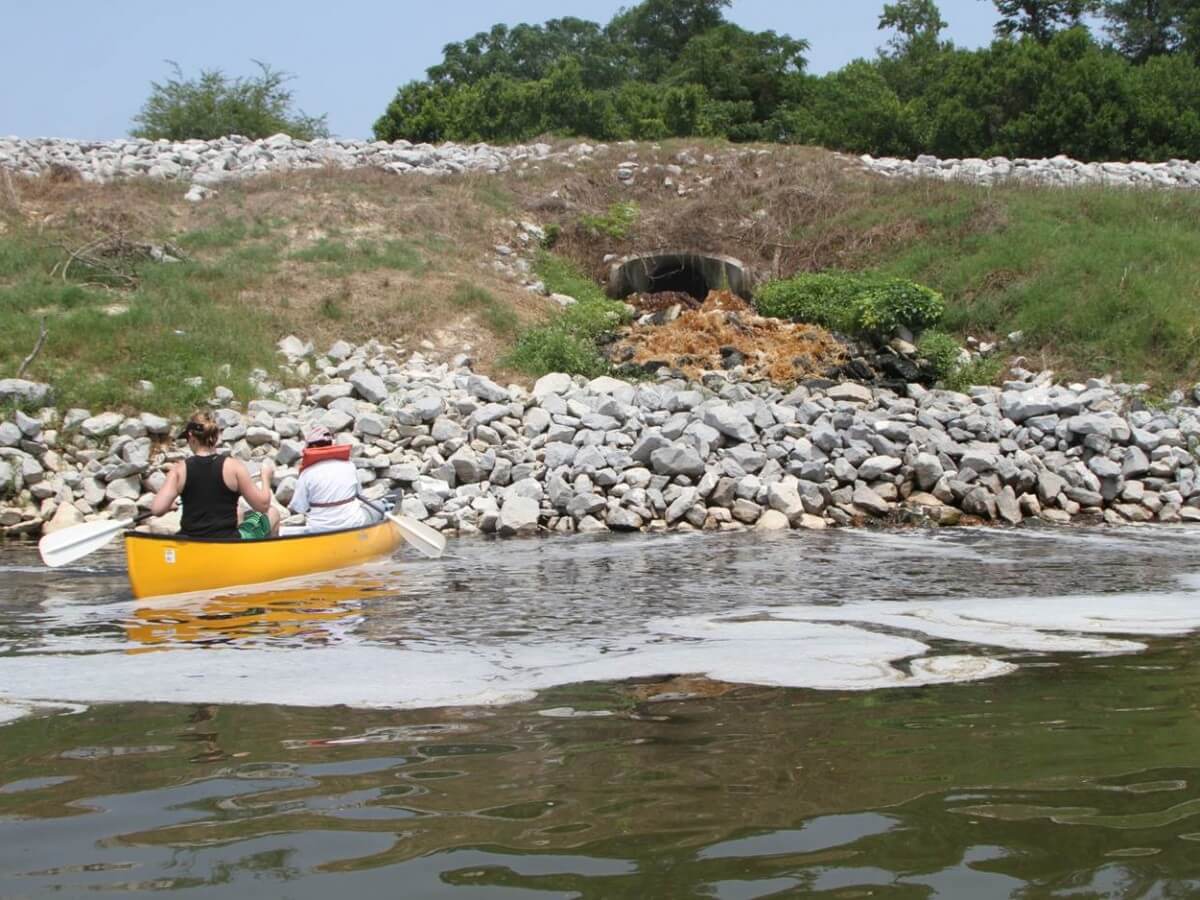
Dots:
{"x": 848, "y": 610}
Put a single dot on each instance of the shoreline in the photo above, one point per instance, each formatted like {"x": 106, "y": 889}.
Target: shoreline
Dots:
{"x": 573, "y": 455}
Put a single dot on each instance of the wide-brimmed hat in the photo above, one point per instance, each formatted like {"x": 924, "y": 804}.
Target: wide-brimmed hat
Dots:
{"x": 318, "y": 434}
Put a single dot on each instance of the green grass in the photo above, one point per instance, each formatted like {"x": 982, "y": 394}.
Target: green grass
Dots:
{"x": 341, "y": 258}
{"x": 569, "y": 341}
{"x": 499, "y": 319}
{"x": 226, "y": 232}
{"x": 1101, "y": 281}
{"x": 175, "y": 327}
{"x": 561, "y": 276}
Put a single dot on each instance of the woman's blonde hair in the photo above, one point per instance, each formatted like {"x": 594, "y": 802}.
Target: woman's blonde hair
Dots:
{"x": 203, "y": 427}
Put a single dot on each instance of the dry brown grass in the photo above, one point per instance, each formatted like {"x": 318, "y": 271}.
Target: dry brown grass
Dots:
{"x": 778, "y": 213}
{"x": 270, "y": 219}
{"x": 781, "y": 351}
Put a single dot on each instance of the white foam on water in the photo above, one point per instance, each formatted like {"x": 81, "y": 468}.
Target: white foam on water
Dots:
{"x": 860, "y": 645}
{"x": 12, "y": 710}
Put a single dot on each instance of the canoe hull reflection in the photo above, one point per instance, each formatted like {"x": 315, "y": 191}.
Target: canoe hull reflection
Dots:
{"x": 168, "y": 564}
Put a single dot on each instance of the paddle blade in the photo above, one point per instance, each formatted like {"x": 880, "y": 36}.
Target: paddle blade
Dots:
{"x": 78, "y": 541}
{"x": 426, "y": 541}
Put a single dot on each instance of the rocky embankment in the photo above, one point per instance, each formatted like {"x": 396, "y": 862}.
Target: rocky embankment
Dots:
{"x": 206, "y": 163}
{"x": 1060, "y": 170}
{"x": 575, "y": 455}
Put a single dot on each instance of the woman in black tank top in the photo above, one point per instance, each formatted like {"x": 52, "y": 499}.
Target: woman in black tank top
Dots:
{"x": 210, "y": 505}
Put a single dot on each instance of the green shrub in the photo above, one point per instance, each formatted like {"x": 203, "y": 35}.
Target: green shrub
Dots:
{"x": 213, "y": 105}
{"x": 941, "y": 351}
{"x": 825, "y": 299}
{"x": 852, "y": 303}
{"x": 616, "y": 223}
{"x": 980, "y": 370}
{"x": 897, "y": 302}
{"x": 569, "y": 342}
{"x": 549, "y": 349}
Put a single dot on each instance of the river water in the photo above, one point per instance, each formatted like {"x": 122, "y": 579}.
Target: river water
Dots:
{"x": 955, "y": 713}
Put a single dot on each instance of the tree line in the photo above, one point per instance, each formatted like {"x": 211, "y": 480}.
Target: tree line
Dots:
{"x": 1095, "y": 79}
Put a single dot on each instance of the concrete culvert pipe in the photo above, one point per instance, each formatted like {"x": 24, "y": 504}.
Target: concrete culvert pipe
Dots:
{"x": 690, "y": 273}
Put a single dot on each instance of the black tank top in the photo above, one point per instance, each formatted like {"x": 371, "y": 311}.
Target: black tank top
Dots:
{"x": 209, "y": 507}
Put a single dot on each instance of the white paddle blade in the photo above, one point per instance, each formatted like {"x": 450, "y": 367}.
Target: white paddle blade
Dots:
{"x": 426, "y": 541}
{"x": 78, "y": 541}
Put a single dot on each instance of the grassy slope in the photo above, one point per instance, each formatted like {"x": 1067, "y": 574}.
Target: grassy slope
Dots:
{"x": 1099, "y": 281}
{"x": 325, "y": 255}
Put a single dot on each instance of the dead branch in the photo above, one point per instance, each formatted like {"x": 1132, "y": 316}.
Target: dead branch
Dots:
{"x": 37, "y": 348}
{"x": 115, "y": 258}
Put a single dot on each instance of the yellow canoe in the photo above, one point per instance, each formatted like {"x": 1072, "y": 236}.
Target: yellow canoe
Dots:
{"x": 169, "y": 564}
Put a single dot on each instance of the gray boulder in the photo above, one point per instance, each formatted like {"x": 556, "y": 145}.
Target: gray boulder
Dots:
{"x": 369, "y": 386}
{"x": 675, "y": 459}
{"x": 518, "y": 515}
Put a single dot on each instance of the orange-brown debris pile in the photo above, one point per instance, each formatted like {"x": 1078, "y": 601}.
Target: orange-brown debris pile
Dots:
{"x": 725, "y": 332}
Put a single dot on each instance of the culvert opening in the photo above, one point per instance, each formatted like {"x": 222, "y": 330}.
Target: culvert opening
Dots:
{"x": 694, "y": 274}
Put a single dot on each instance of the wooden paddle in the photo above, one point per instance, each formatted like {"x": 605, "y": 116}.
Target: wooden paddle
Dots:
{"x": 424, "y": 539}
{"x": 78, "y": 541}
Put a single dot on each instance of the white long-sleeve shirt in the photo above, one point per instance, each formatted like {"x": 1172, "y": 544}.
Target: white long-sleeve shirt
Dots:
{"x": 328, "y": 482}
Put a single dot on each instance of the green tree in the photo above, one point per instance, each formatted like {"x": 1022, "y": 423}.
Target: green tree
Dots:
{"x": 418, "y": 112}
{"x": 1166, "y": 100}
{"x": 852, "y": 109}
{"x": 918, "y": 25}
{"x": 1040, "y": 19}
{"x": 656, "y": 31}
{"x": 528, "y": 52}
{"x": 1140, "y": 29}
{"x": 733, "y": 64}
{"x": 213, "y": 105}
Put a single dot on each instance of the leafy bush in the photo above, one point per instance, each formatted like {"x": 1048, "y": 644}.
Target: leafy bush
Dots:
{"x": 616, "y": 222}
{"x": 214, "y": 105}
{"x": 569, "y": 342}
{"x": 852, "y": 303}
{"x": 884, "y": 307}
{"x": 825, "y": 299}
{"x": 941, "y": 351}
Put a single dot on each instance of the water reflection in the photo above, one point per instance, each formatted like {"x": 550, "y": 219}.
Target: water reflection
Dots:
{"x": 750, "y": 792}
{"x": 1074, "y": 776}
{"x": 313, "y": 615}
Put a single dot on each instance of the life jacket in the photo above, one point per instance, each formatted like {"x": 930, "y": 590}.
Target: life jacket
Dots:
{"x": 314, "y": 455}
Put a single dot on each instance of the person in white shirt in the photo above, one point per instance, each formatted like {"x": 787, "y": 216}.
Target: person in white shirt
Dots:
{"x": 327, "y": 489}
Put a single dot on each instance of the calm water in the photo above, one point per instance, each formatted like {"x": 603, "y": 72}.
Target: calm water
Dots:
{"x": 900, "y": 714}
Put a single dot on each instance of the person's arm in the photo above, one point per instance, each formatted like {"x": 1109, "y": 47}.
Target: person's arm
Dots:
{"x": 170, "y": 491}
{"x": 259, "y": 497}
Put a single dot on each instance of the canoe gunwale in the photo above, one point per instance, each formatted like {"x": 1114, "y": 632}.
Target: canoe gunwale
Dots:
{"x": 179, "y": 539}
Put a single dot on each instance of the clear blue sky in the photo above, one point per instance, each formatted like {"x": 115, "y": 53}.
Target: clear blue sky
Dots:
{"x": 81, "y": 68}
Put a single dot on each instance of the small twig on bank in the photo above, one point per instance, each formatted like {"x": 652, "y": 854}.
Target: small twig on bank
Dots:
{"x": 37, "y": 348}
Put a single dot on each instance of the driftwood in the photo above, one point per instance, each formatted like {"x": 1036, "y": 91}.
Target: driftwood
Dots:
{"x": 113, "y": 259}
{"x": 37, "y": 348}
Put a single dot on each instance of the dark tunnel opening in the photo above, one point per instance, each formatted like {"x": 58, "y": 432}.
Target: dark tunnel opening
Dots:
{"x": 689, "y": 273}
{"x": 678, "y": 277}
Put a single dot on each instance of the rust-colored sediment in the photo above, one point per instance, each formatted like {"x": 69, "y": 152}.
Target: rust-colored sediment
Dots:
{"x": 772, "y": 348}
